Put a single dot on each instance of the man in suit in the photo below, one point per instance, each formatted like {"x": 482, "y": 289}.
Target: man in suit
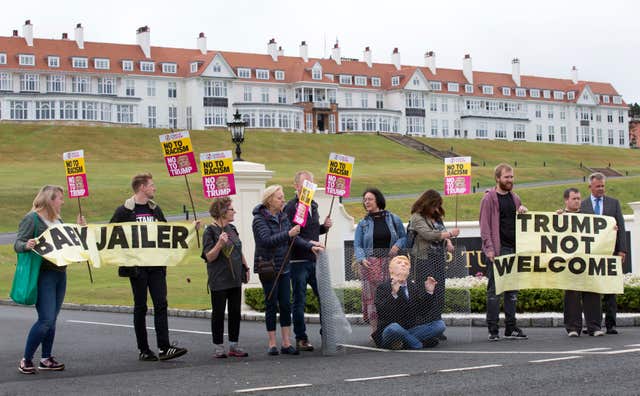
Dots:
{"x": 603, "y": 205}
{"x": 402, "y": 308}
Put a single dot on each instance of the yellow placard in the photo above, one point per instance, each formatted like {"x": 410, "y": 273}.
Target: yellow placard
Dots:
{"x": 74, "y": 166}
{"x": 221, "y": 166}
{"x": 178, "y": 146}
{"x": 339, "y": 168}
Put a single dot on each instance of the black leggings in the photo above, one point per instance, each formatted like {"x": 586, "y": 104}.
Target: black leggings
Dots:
{"x": 219, "y": 300}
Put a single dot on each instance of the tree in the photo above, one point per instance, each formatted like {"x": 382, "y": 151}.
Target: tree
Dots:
{"x": 634, "y": 110}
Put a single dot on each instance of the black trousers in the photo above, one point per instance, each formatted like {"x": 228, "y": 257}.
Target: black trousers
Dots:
{"x": 610, "y": 306}
{"x": 577, "y": 302}
{"x": 153, "y": 279}
{"x": 219, "y": 300}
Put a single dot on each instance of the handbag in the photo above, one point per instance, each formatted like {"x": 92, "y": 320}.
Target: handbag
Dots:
{"x": 24, "y": 289}
{"x": 266, "y": 269}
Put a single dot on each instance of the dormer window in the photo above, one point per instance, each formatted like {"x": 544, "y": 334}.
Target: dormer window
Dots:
{"x": 193, "y": 67}
{"x": 395, "y": 81}
{"x": 453, "y": 87}
{"x": 26, "y": 60}
{"x": 169, "y": 68}
{"x": 487, "y": 89}
{"x": 558, "y": 95}
{"x": 53, "y": 61}
{"x": 217, "y": 68}
{"x": 546, "y": 94}
{"x": 279, "y": 74}
{"x": 521, "y": 92}
{"x": 361, "y": 80}
{"x": 468, "y": 88}
{"x": 436, "y": 86}
{"x": 244, "y": 72}
{"x": 571, "y": 95}
{"x": 262, "y": 74}
{"x": 127, "y": 65}
{"x": 101, "y": 64}
{"x": 3, "y": 58}
{"x": 375, "y": 81}
{"x": 79, "y": 63}
{"x": 346, "y": 79}
{"x": 605, "y": 98}
{"x": 535, "y": 93}
{"x": 506, "y": 91}
{"x": 316, "y": 73}
{"x": 146, "y": 66}
{"x": 617, "y": 100}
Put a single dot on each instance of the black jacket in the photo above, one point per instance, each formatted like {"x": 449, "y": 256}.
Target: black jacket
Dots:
{"x": 407, "y": 313}
{"x": 310, "y": 232}
{"x": 610, "y": 207}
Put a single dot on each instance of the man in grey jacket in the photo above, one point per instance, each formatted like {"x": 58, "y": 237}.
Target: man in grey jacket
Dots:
{"x": 498, "y": 210}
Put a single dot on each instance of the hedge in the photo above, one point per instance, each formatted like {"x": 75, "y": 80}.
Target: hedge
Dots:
{"x": 459, "y": 300}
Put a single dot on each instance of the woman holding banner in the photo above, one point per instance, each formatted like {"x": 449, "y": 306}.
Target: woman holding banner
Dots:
{"x": 431, "y": 244}
{"x": 52, "y": 280}
{"x": 274, "y": 237}
{"x": 379, "y": 236}
{"x": 227, "y": 270}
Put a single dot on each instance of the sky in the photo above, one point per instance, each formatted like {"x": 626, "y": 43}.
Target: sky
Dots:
{"x": 549, "y": 37}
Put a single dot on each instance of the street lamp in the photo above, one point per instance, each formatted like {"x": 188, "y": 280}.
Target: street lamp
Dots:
{"x": 236, "y": 127}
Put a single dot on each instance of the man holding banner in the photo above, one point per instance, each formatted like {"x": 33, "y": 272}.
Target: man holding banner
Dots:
{"x": 141, "y": 208}
{"x": 498, "y": 233}
{"x": 303, "y": 262}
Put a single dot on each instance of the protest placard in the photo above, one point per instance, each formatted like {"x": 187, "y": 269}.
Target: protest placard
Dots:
{"x": 339, "y": 172}
{"x": 304, "y": 203}
{"x": 457, "y": 175}
{"x": 76, "y": 174}
{"x": 178, "y": 153}
{"x": 217, "y": 174}
{"x": 569, "y": 251}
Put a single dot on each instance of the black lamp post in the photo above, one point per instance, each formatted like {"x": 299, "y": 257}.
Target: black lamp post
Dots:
{"x": 236, "y": 127}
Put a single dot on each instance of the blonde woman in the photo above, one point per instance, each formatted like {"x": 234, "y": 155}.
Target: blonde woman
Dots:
{"x": 273, "y": 233}
{"x": 52, "y": 281}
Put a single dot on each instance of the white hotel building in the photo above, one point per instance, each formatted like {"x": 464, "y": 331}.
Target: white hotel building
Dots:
{"x": 76, "y": 81}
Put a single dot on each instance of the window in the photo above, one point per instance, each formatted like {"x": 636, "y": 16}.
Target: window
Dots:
{"x": 433, "y": 104}
{"x": 436, "y": 86}
{"x": 193, "y": 67}
{"x": 379, "y": 101}
{"x": 535, "y": 93}
{"x": 453, "y": 87}
{"x": 414, "y": 100}
{"x": 80, "y": 84}
{"x": 6, "y": 82}
{"x": 217, "y": 116}
{"x": 434, "y": 128}
{"x": 79, "y": 63}
{"x": 563, "y": 134}
{"x": 332, "y": 95}
{"x": 244, "y": 73}
{"x": 68, "y": 109}
{"x": 90, "y": 111}
{"x": 617, "y": 100}
{"x": 127, "y": 65}
{"x": 173, "y": 117}
{"x": 364, "y": 100}
{"x": 610, "y": 135}
{"x": 445, "y": 105}
{"x": 151, "y": 116}
{"x": 124, "y": 114}
{"x": 487, "y": 89}
{"x": 147, "y": 66}
{"x": 18, "y": 109}
{"x": 482, "y": 130}
{"x": 605, "y": 98}
{"x": 106, "y": 86}
{"x": 45, "y": 110}
{"x": 172, "y": 89}
{"x": 552, "y": 133}
{"x": 55, "y": 83}
{"x": 309, "y": 123}
{"x": 215, "y": 88}
{"x": 538, "y": 111}
{"x": 501, "y": 131}
{"x": 550, "y": 112}
{"x": 189, "y": 118}
{"x": 30, "y": 83}
{"x": 546, "y": 94}
{"x": 328, "y": 76}
{"x": 375, "y": 81}
{"x": 609, "y": 116}
{"x": 468, "y": 88}
{"x": 345, "y": 79}
{"x": 445, "y": 128}
{"x": 3, "y": 58}
{"x": 247, "y": 94}
{"x": 279, "y": 75}
{"x": 521, "y": 92}
{"x": 506, "y": 91}
{"x": 598, "y": 116}
{"x": 264, "y": 95}
{"x": 621, "y": 116}
{"x": 348, "y": 100}
{"x": 415, "y": 125}
{"x": 456, "y": 128}
{"x": 395, "y": 81}
{"x": 101, "y": 63}
{"x": 217, "y": 68}
{"x": 171, "y": 68}
{"x": 361, "y": 80}
{"x": 53, "y": 61}
{"x": 621, "y": 136}
{"x": 26, "y": 60}
{"x": 282, "y": 95}
{"x": 151, "y": 88}
{"x": 558, "y": 95}
{"x": 316, "y": 74}
{"x": 518, "y": 132}
{"x": 105, "y": 112}
{"x": 571, "y": 95}
{"x": 262, "y": 74}
{"x": 130, "y": 88}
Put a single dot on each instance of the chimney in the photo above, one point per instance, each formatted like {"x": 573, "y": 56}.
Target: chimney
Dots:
{"x": 202, "y": 43}
{"x": 335, "y": 54}
{"x": 515, "y": 71}
{"x": 395, "y": 58}
{"x": 65, "y": 36}
{"x": 467, "y": 70}
{"x": 27, "y": 32}
{"x": 143, "y": 39}
{"x": 15, "y": 32}
{"x": 430, "y": 61}
{"x": 272, "y": 49}
{"x": 367, "y": 56}
{"x": 304, "y": 51}
{"x": 280, "y": 51}
{"x": 574, "y": 75}
{"x": 80, "y": 36}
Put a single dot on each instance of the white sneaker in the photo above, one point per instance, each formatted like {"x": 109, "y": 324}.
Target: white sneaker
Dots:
{"x": 598, "y": 333}
{"x": 573, "y": 334}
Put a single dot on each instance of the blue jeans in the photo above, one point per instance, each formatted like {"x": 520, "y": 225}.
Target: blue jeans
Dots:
{"x": 302, "y": 273}
{"x": 280, "y": 301}
{"x": 413, "y": 337}
{"x": 51, "y": 288}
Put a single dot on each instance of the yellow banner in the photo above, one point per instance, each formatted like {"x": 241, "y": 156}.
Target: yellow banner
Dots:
{"x": 569, "y": 251}
{"x": 118, "y": 244}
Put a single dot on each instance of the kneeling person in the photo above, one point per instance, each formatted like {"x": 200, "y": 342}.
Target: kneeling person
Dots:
{"x": 402, "y": 307}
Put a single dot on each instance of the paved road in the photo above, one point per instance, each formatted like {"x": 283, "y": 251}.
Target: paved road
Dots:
{"x": 99, "y": 350}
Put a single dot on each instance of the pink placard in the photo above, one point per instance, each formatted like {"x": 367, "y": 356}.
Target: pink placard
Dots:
{"x": 181, "y": 164}
{"x": 302, "y": 212}
{"x": 219, "y": 185}
{"x": 457, "y": 185}
{"x": 77, "y": 186}
{"x": 337, "y": 185}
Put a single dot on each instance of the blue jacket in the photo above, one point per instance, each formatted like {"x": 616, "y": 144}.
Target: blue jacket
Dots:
{"x": 271, "y": 234}
{"x": 363, "y": 240}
